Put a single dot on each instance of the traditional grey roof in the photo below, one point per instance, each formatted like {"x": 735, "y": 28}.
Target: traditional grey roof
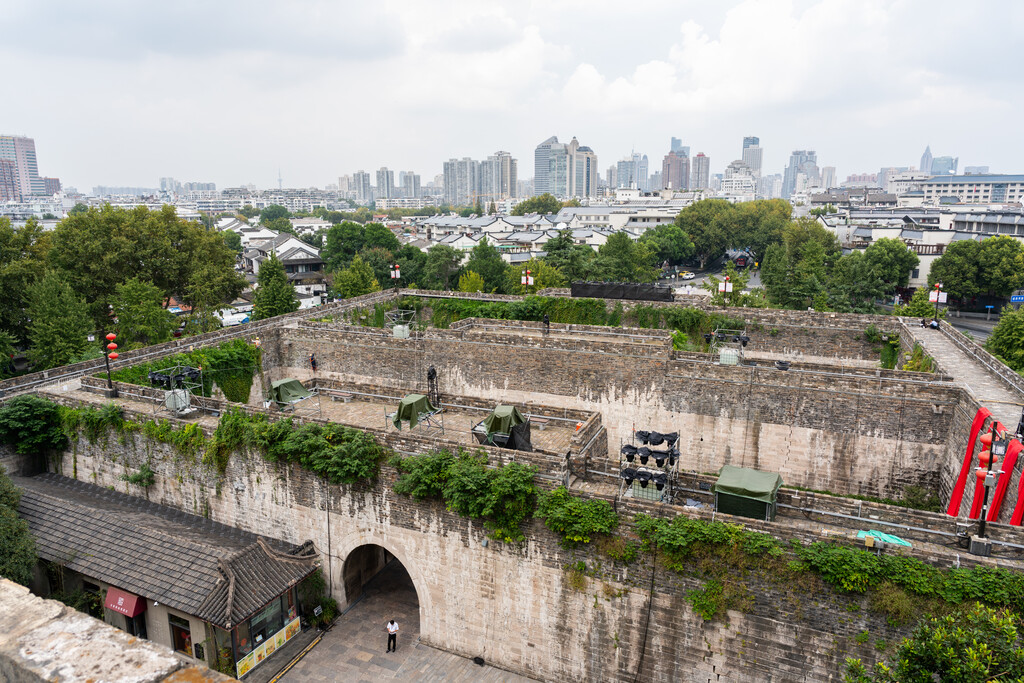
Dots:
{"x": 215, "y": 572}
{"x": 911, "y": 234}
{"x": 862, "y": 232}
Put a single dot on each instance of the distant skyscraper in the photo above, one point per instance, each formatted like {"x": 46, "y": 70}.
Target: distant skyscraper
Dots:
{"x": 828, "y": 177}
{"x": 678, "y": 147}
{"x": 361, "y": 184}
{"x": 975, "y": 170}
{"x": 675, "y": 171}
{"x": 944, "y": 165}
{"x": 410, "y": 184}
{"x": 752, "y": 155}
{"x": 462, "y": 182}
{"x": 584, "y": 172}
{"x": 22, "y": 151}
{"x": 801, "y": 161}
{"x": 498, "y": 177}
{"x": 541, "y": 165}
{"x": 926, "y": 160}
{"x": 611, "y": 178}
{"x": 385, "y": 183}
{"x": 9, "y": 190}
{"x": 572, "y": 170}
{"x": 701, "y": 175}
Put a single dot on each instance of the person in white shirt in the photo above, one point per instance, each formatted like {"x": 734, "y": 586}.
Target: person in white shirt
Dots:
{"x": 392, "y": 636}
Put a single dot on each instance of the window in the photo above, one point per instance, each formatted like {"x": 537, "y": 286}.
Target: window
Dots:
{"x": 181, "y": 634}
{"x": 266, "y": 623}
{"x": 916, "y": 273}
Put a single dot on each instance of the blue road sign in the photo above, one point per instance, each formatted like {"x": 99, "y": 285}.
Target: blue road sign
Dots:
{"x": 1019, "y": 299}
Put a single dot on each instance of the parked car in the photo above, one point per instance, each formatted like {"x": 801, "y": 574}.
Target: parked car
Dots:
{"x": 687, "y": 275}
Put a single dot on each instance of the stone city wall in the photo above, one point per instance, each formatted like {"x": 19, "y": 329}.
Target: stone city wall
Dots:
{"x": 848, "y": 434}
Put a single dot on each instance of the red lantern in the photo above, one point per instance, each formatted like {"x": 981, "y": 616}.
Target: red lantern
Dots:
{"x": 111, "y": 336}
{"x": 986, "y": 440}
{"x": 985, "y": 456}
{"x": 981, "y": 473}
{"x": 111, "y": 346}
{"x": 112, "y": 355}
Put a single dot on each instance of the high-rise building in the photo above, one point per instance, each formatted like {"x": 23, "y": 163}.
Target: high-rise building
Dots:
{"x": 700, "y": 176}
{"x": 828, "y": 177}
{"x": 751, "y": 141}
{"x": 9, "y": 190}
{"x": 385, "y": 183}
{"x": 572, "y": 170}
{"x": 738, "y": 180}
{"x": 752, "y": 156}
{"x": 344, "y": 184}
{"x": 801, "y": 161}
{"x": 584, "y": 173}
{"x": 22, "y": 151}
{"x": 975, "y": 170}
{"x": 462, "y": 182}
{"x": 632, "y": 172}
{"x": 410, "y": 183}
{"x": 926, "y": 160}
{"x": 944, "y": 165}
{"x": 675, "y": 171}
{"x": 611, "y": 177}
{"x": 679, "y": 148}
{"x": 361, "y": 185}
{"x": 541, "y": 165}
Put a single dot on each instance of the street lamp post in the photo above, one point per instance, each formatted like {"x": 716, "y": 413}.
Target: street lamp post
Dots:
{"x": 527, "y": 278}
{"x": 938, "y": 295}
{"x": 111, "y": 354}
{"x": 396, "y": 274}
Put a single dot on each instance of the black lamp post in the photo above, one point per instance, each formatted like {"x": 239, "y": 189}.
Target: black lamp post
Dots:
{"x": 998, "y": 450}
{"x": 111, "y": 354}
{"x": 396, "y": 274}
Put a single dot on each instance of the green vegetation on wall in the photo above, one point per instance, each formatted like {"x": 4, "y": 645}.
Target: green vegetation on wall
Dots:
{"x": 230, "y": 365}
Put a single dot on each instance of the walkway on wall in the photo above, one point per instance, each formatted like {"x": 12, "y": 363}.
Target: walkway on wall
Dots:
{"x": 991, "y": 391}
{"x": 354, "y": 650}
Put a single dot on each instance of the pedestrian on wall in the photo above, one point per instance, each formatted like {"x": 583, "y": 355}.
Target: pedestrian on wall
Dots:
{"x": 392, "y": 636}
{"x": 312, "y": 361}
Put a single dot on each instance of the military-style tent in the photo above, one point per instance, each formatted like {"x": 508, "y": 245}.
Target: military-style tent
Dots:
{"x": 287, "y": 392}
{"x": 747, "y": 493}
{"x": 505, "y": 427}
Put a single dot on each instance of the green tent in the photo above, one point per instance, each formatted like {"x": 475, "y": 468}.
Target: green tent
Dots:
{"x": 410, "y": 409}
{"x": 746, "y": 492}
{"x": 285, "y": 392}
{"x": 503, "y": 419}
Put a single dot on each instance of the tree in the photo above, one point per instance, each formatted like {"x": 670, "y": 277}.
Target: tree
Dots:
{"x": 571, "y": 203}
{"x": 892, "y": 261}
{"x": 59, "y": 325}
{"x": 854, "y": 285}
{"x": 759, "y": 224}
{"x": 7, "y": 351}
{"x": 575, "y": 261}
{"x": 705, "y": 223}
{"x": 1007, "y": 339}
{"x": 18, "y": 559}
{"x": 978, "y": 643}
{"x": 101, "y": 248}
{"x": 412, "y": 264}
{"x": 377, "y": 235}
{"x": 620, "y": 259}
{"x": 471, "y": 282}
{"x": 79, "y": 207}
{"x": 775, "y": 274}
{"x": 273, "y": 212}
{"x": 442, "y": 266}
{"x": 668, "y": 243}
{"x": 23, "y": 257}
{"x": 141, "y": 317}
{"x": 355, "y": 280}
{"x": 1000, "y": 265}
{"x": 485, "y": 260}
{"x": 278, "y": 225}
{"x": 542, "y": 204}
{"x": 957, "y": 270}
{"x": 796, "y": 235}
{"x": 274, "y": 295}
{"x": 380, "y": 262}
{"x": 544, "y": 276}
{"x": 822, "y": 210}
{"x": 233, "y": 240}
{"x": 343, "y": 241}
{"x": 249, "y": 211}
{"x": 492, "y": 209}
{"x": 737, "y": 278}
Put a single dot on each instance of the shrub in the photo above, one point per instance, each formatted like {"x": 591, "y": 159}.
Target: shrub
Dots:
{"x": 574, "y": 519}
{"x": 848, "y": 569}
{"x": 32, "y": 425}
{"x": 144, "y": 477}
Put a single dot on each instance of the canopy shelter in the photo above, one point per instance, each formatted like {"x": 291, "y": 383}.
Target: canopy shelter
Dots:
{"x": 289, "y": 394}
{"x": 747, "y": 493}
{"x": 505, "y": 427}
{"x": 416, "y": 409}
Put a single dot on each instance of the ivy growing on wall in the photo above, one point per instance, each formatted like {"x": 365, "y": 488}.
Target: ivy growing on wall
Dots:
{"x": 577, "y": 520}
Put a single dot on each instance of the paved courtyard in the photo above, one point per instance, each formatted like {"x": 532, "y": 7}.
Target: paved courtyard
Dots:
{"x": 354, "y": 650}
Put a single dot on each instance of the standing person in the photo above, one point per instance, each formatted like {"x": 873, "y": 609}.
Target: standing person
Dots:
{"x": 392, "y": 636}
{"x": 312, "y": 362}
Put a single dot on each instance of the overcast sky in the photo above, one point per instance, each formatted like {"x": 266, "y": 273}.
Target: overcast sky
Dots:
{"x": 122, "y": 93}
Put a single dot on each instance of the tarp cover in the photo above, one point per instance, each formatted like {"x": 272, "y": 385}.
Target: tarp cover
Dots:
{"x": 285, "y": 391}
{"x": 503, "y": 419}
{"x": 746, "y": 483}
{"x": 641, "y": 291}
{"x": 410, "y": 409}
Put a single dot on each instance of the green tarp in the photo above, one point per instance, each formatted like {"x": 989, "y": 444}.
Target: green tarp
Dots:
{"x": 503, "y": 419}
{"x": 746, "y": 483}
{"x": 888, "y": 538}
{"x": 410, "y": 409}
{"x": 286, "y": 391}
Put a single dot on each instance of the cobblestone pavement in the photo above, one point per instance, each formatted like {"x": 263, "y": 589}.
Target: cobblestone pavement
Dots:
{"x": 354, "y": 650}
{"x": 991, "y": 391}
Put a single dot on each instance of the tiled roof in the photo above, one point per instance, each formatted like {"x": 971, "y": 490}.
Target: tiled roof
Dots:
{"x": 182, "y": 560}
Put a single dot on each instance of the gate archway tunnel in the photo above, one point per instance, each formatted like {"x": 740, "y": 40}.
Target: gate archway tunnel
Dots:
{"x": 378, "y": 588}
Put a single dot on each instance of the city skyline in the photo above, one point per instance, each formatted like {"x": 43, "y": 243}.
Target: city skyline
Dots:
{"x": 866, "y": 85}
